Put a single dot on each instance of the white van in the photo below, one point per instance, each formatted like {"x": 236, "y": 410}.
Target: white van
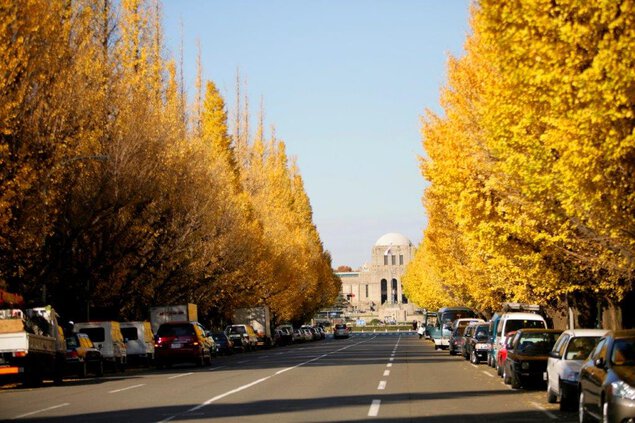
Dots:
{"x": 139, "y": 341}
{"x": 512, "y": 321}
{"x": 108, "y": 339}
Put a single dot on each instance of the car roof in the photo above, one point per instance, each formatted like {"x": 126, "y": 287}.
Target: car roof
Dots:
{"x": 538, "y": 330}
{"x": 581, "y": 333}
{"x": 626, "y": 333}
{"x": 520, "y": 315}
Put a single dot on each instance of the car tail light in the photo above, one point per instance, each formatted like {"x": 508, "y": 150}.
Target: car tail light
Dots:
{"x": 72, "y": 354}
{"x": 19, "y": 354}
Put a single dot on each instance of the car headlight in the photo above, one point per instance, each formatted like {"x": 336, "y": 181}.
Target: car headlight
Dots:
{"x": 570, "y": 375}
{"x": 524, "y": 365}
{"x": 623, "y": 390}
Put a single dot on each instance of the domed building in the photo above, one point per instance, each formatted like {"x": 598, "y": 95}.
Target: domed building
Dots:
{"x": 376, "y": 288}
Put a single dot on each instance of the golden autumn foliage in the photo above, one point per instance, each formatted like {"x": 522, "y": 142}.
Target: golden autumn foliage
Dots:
{"x": 531, "y": 166}
{"x": 113, "y": 199}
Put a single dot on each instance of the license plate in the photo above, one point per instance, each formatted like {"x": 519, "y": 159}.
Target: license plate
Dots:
{"x": 176, "y": 345}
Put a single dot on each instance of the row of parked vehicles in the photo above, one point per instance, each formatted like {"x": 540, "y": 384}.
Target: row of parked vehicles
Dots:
{"x": 34, "y": 345}
{"x": 588, "y": 370}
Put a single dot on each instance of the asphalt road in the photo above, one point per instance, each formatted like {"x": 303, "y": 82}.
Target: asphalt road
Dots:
{"x": 397, "y": 378}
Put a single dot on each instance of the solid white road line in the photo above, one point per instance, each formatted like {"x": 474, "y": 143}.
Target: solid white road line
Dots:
{"x": 233, "y": 391}
{"x": 181, "y": 375}
{"x": 42, "y": 410}
{"x": 125, "y": 389}
{"x": 389, "y": 365}
{"x": 256, "y": 382}
{"x": 382, "y": 385}
{"x": 544, "y": 410}
{"x": 386, "y": 372}
{"x": 373, "y": 411}
{"x": 487, "y": 373}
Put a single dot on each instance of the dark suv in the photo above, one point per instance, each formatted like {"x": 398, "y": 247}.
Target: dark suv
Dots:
{"x": 527, "y": 356}
{"x": 182, "y": 342}
{"x": 340, "y": 331}
{"x": 477, "y": 346}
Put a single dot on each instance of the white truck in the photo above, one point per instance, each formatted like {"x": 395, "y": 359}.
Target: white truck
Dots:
{"x": 32, "y": 345}
{"x": 172, "y": 313}
{"x": 259, "y": 318}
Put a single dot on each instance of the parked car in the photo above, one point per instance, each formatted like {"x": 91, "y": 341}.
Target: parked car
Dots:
{"x": 607, "y": 380}
{"x": 478, "y": 345}
{"x": 564, "y": 363}
{"x": 308, "y": 334}
{"x": 139, "y": 341}
{"x": 224, "y": 345}
{"x": 182, "y": 342}
{"x": 458, "y": 330}
{"x": 107, "y": 338}
{"x": 286, "y": 334}
{"x": 320, "y": 330}
{"x": 243, "y": 336}
{"x": 298, "y": 335}
{"x": 467, "y": 335}
{"x": 82, "y": 357}
{"x": 502, "y": 324}
{"x": 501, "y": 355}
{"x": 527, "y": 356}
{"x": 340, "y": 331}
{"x": 455, "y": 344}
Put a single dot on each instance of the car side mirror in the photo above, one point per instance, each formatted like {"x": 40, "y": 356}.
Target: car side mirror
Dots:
{"x": 599, "y": 362}
{"x": 554, "y": 354}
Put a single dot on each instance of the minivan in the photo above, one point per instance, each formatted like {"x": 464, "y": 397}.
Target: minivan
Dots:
{"x": 107, "y": 338}
{"x": 502, "y": 324}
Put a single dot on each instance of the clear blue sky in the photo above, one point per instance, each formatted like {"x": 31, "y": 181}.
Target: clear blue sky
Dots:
{"x": 345, "y": 84}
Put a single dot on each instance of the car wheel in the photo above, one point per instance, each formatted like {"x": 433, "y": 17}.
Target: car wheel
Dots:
{"x": 552, "y": 398}
{"x": 506, "y": 379}
{"x": 582, "y": 415}
{"x": 100, "y": 369}
{"x": 605, "y": 412}
{"x": 473, "y": 358}
{"x": 515, "y": 381}
{"x": 499, "y": 370}
{"x": 83, "y": 371}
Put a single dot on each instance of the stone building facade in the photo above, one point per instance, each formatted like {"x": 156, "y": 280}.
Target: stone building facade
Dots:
{"x": 376, "y": 287}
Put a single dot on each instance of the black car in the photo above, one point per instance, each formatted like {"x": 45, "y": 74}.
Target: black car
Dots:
{"x": 477, "y": 346}
{"x": 224, "y": 345}
{"x": 607, "y": 379}
{"x": 467, "y": 335}
{"x": 527, "y": 356}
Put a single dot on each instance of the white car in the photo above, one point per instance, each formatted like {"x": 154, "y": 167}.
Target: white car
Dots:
{"x": 564, "y": 363}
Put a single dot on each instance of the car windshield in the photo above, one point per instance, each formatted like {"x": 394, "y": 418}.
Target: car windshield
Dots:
{"x": 580, "y": 347}
{"x": 218, "y": 337}
{"x": 481, "y": 331}
{"x": 340, "y": 326}
{"x": 623, "y": 352}
{"x": 175, "y": 330}
{"x": 513, "y": 325}
{"x": 536, "y": 343}
{"x": 237, "y": 330}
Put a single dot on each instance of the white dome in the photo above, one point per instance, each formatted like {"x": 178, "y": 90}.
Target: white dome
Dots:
{"x": 392, "y": 239}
